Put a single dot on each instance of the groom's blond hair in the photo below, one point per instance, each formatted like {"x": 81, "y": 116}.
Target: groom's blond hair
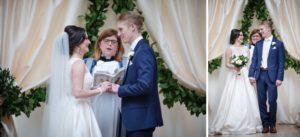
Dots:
{"x": 132, "y": 17}
{"x": 268, "y": 23}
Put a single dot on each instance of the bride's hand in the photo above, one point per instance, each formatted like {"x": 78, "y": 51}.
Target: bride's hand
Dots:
{"x": 105, "y": 86}
{"x": 237, "y": 69}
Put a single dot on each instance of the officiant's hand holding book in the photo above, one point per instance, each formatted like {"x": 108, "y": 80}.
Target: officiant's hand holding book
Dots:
{"x": 102, "y": 76}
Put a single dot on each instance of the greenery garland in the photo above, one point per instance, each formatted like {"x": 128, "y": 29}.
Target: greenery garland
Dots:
{"x": 259, "y": 9}
{"x": 120, "y": 6}
{"x": 214, "y": 64}
{"x": 94, "y": 20}
{"x": 173, "y": 92}
{"x": 13, "y": 101}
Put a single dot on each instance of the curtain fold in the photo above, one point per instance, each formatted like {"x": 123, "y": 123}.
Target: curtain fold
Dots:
{"x": 178, "y": 122}
{"x": 223, "y": 16}
{"x": 179, "y": 29}
{"x": 288, "y": 107}
{"x": 29, "y": 29}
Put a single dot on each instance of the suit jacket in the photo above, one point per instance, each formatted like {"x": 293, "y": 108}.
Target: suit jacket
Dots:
{"x": 139, "y": 92}
{"x": 276, "y": 59}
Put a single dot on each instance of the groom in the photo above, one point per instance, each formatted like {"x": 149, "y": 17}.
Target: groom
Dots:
{"x": 267, "y": 71}
{"x": 141, "y": 111}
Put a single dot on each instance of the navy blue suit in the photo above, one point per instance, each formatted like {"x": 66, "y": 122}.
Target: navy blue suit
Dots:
{"x": 266, "y": 79}
{"x": 140, "y": 102}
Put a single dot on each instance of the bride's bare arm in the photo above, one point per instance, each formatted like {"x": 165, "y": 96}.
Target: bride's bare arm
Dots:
{"x": 228, "y": 64}
{"x": 248, "y": 55}
{"x": 228, "y": 54}
{"x": 78, "y": 71}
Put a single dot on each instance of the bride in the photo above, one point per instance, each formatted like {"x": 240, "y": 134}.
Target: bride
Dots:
{"x": 68, "y": 112}
{"x": 238, "y": 111}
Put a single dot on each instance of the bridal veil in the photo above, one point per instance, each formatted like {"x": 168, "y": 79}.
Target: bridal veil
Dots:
{"x": 59, "y": 98}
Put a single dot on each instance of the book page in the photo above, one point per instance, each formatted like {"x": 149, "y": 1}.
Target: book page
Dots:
{"x": 101, "y": 76}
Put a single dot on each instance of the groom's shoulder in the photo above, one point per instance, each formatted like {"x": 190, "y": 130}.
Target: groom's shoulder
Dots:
{"x": 279, "y": 43}
{"x": 260, "y": 42}
{"x": 277, "y": 40}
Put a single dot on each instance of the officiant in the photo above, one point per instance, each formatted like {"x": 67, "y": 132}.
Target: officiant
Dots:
{"x": 108, "y": 56}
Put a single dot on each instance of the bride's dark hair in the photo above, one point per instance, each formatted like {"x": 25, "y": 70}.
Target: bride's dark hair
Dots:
{"x": 76, "y": 36}
{"x": 235, "y": 33}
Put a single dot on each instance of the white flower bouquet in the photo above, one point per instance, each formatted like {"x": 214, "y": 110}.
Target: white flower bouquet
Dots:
{"x": 239, "y": 61}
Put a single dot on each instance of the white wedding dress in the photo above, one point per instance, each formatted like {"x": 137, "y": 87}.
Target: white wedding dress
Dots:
{"x": 80, "y": 117}
{"x": 238, "y": 111}
{"x": 65, "y": 115}
{"x": 107, "y": 106}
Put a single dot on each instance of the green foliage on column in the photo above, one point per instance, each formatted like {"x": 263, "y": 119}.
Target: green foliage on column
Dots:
{"x": 95, "y": 18}
{"x": 174, "y": 92}
{"x": 120, "y": 6}
{"x": 257, "y": 8}
{"x": 290, "y": 62}
{"x": 214, "y": 64}
{"x": 13, "y": 101}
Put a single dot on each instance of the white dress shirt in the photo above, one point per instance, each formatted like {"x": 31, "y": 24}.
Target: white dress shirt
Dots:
{"x": 266, "y": 49}
{"x": 134, "y": 43}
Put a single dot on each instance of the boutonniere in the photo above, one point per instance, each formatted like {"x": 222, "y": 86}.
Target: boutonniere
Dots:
{"x": 273, "y": 43}
{"x": 130, "y": 55}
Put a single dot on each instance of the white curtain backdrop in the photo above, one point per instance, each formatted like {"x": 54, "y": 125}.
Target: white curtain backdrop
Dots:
{"x": 27, "y": 33}
{"x": 28, "y": 29}
{"x": 223, "y": 15}
{"x": 286, "y": 17}
{"x": 178, "y": 26}
{"x": 178, "y": 122}
{"x": 288, "y": 104}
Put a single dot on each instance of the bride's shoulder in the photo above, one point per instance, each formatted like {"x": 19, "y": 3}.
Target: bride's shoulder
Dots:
{"x": 230, "y": 49}
{"x": 73, "y": 59}
{"x": 76, "y": 62}
{"x": 246, "y": 47}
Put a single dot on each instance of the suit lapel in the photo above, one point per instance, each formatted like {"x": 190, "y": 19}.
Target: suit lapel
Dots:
{"x": 138, "y": 45}
{"x": 270, "y": 50}
{"x": 261, "y": 46}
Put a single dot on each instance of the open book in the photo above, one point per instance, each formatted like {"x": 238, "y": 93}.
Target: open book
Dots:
{"x": 101, "y": 76}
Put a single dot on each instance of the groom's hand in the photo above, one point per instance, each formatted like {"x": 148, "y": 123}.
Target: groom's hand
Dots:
{"x": 115, "y": 88}
{"x": 278, "y": 82}
{"x": 252, "y": 81}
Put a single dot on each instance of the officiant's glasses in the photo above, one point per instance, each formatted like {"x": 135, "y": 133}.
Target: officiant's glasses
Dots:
{"x": 112, "y": 42}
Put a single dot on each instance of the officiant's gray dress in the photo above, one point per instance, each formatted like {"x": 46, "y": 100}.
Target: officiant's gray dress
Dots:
{"x": 107, "y": 106}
